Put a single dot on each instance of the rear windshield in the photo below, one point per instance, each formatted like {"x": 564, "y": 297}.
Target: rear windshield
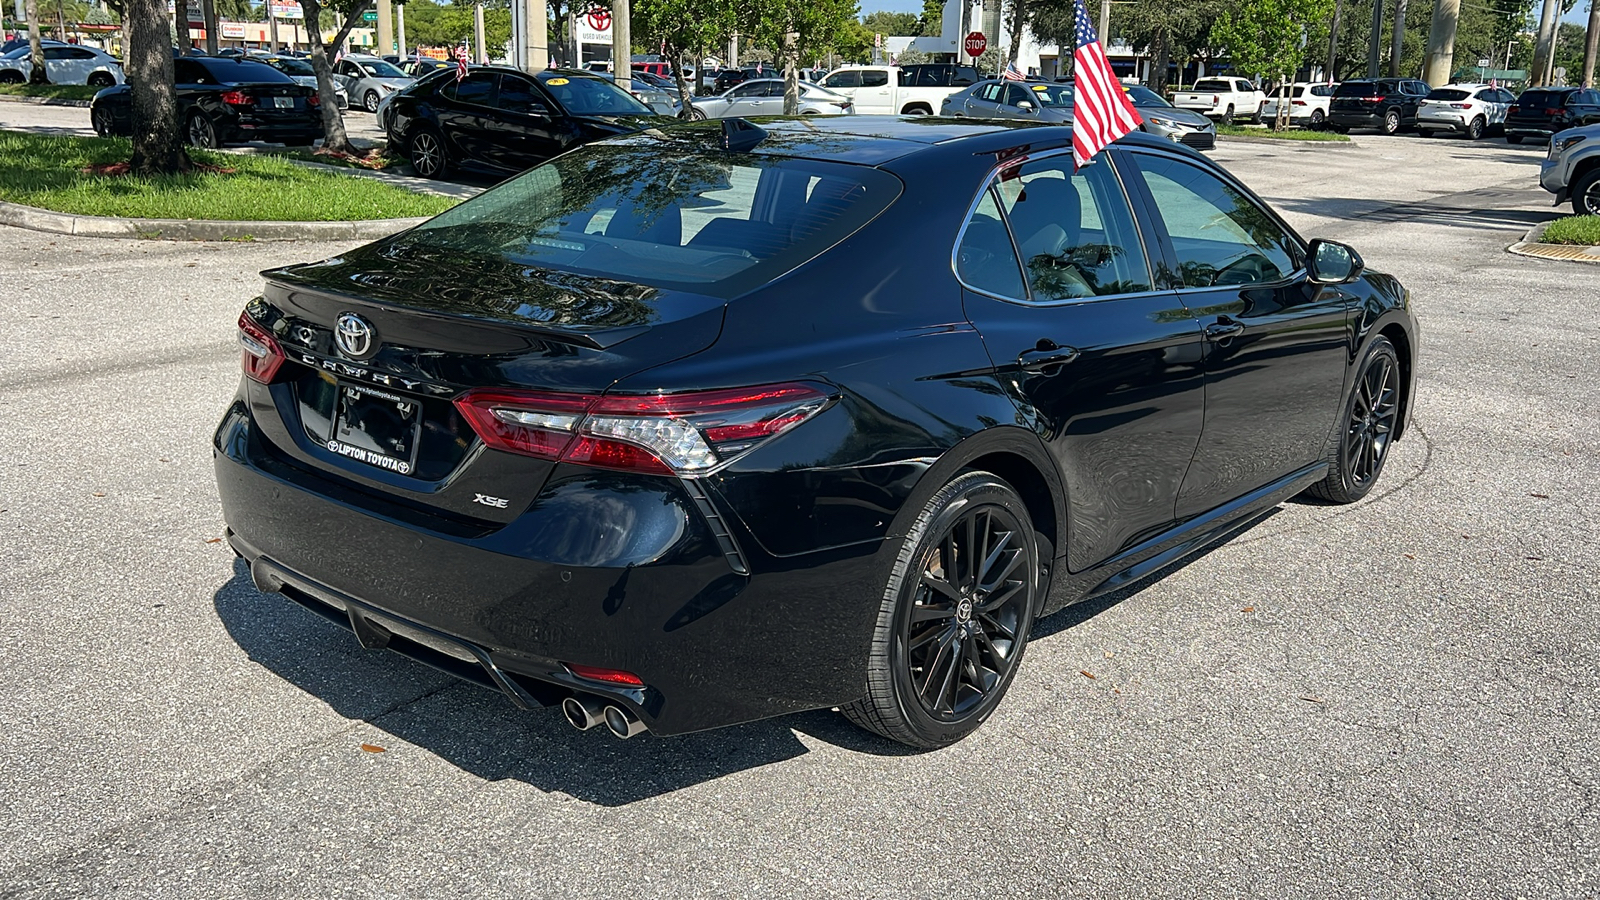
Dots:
{"x": 1447, "y": 94}
{"x": 1542, "y": 99}
{"x": 1213, "y": 85}
{"x": 1358, "y": 89}
{"x": 662, "y": 213}
{"x": 584, "y": 95}
{"x": 240, "y": 71}
{"x": 290, "y": 66}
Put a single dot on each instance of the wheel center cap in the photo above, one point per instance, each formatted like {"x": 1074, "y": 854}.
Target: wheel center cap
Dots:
{"x": 964, "y": 611}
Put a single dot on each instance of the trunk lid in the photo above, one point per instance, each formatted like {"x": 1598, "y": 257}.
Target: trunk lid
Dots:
{"x": 383, "y": 420}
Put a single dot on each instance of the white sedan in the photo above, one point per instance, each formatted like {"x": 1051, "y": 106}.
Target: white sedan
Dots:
{"x": 1308, "y": 104}
{"x": 1469, "y": 109}
{"x": 764, "y": 97}
{"x": 65, "y": 64}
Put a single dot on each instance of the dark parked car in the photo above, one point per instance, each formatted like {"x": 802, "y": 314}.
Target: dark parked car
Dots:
{"x": 419, "y": 67}
{"x": 223, "y": 100}
{"x": 1541, "y": 112}
{"x": 728, "y": 78}
{"x": 646, "y": 432}
{"x": 1387, "y": 104}
{"x": 501, "y": 120}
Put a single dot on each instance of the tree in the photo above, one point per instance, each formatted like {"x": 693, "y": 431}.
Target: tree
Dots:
{"x": 1169, "y": 31}
{"x": 682, "y": 27}
{"x": 1267, "y": 37}
{"x": 37, "y": 73}
{"x": 891, "y": 23}
{"x": 932, "y": 24}
{"x": 797, "y": 28}
{"x": 157, "y": 146}
{"x": 335, "y": 139}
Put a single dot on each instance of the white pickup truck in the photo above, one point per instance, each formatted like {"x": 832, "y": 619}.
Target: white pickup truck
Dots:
{"x": 1223, "y": 99}
{"x": 899, "y": 90}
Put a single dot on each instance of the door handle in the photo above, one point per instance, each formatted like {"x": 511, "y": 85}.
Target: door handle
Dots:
{"x": 1046, "y": 355}
{"x": 1222, "y": 329}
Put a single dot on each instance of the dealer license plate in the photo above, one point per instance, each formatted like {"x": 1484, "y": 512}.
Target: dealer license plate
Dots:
{"x": 283, "y": 102}
{"x": 377, "y": 428}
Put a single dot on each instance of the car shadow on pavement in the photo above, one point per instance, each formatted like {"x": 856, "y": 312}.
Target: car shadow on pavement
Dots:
{"x": 481, "y": 733}
{"x": 1484, "y": 217}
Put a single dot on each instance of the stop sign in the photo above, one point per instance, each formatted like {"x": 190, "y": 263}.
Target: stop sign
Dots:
{"x": 976, "y": 44}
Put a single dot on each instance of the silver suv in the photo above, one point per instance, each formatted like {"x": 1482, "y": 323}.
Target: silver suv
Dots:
{"x": 1571, "y": 170}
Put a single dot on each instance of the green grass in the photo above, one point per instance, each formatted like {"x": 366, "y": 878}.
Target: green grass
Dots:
{"x": 1582, "y": 230}
{"x": 50, "y": 91}
{"x": 1293, "y": 134}
{"x": 47, "y": 171}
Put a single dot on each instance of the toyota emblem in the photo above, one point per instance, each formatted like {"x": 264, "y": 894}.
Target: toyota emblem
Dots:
{"x": 354, "y": 336}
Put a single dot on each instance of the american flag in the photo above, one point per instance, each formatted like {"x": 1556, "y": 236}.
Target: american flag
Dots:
{"x": 1101, "y": 109}
{"x": 461, "y": 61}
{"x": 1012, "y": 73}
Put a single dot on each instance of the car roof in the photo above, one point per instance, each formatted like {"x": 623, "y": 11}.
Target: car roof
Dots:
{"x": 875, "y": 140}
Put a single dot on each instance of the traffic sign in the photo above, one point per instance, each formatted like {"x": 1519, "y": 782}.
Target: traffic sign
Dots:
{"x": 370, "y": 15}
{"x": 976, "y": 44}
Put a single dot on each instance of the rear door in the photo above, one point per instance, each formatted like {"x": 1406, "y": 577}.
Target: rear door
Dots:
{"x": 1103, "y": 363}
{"x": 464, "y": 113}
{"x": 876, "y": 96}
{"x": 1276, "y": 346}
{"x": 753, "y": 98}
{"x": 985, "y": 101}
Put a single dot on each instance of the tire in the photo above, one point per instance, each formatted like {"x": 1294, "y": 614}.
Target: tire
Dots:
{"x": 1318, "y": 119}
{"x": 370, "y": 101}
{"x": 917, "y": 110}
{"x": 199, "y": 132}
{"x": 1391, "y": 122}
{"x": 938, "y": 623}
{"x": 1586, "y": 193}
{"x": 1368, "y": 418}
{"x": 102, "y": 122}
{"x": 1513, "y": 138}
{"x": 425, "y": 151}
{"x": 1475, "y": 129}
{"x": 1227, "y": 117}
{"x": 100, "y": 80}
{"x": 696, "y": 114}
{"x": 11, "y": 76}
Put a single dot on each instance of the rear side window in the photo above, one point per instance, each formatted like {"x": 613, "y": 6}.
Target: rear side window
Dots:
{"x": 874, "y": 78}
{"x": 1075, "y": 231}
{"x": 1542, "y": 99}
{"x": 985, "y": 258}
{"x": 1447, "y": 94}
{"x": 1358, "y": 89}
{"x": 476, "y": 88}
{"x": 643, "y": 210}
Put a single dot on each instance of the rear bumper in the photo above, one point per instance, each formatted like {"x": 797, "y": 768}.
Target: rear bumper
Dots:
{"x": 603, "y": 569}
{"x": 1534, "y": 129}
{"x": 1346, "y": 119}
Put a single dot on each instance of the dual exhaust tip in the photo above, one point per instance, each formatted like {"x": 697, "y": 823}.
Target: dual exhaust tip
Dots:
{"x": 586, "y": 712}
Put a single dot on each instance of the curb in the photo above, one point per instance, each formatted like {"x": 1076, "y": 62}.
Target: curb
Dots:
{"x": 43, "y": 101}
{"x": 32, "y": 218}
{"x": 1289, "y": 142}
{"x": 1530, "y": 246}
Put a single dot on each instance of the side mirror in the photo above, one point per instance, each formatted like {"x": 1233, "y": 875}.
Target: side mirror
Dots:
{"x": 1333, "y": 263}
{"x": 1025, "y": 106}
{"x": 538, "y": 109}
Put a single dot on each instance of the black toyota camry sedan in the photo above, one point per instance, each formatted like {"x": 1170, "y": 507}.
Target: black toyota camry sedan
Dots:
{"x": 711, "y": 423}
{"x": 500, "y": 120}
{"x": 223, "y": 100}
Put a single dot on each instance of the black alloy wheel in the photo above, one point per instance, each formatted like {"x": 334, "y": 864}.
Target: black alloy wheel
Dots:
{"x": 100, "y": 120}
{"x": 427, "y": 154}
{"x": 954, "y": 619}
{"x": 1391, "y": 122}
{"x": 201, "y": 133}
{"x": 101, "y": 80}
{"x": 1586, "y": 194}
{"x": 370, "y": 101}
{"x": 1475, "y": 129}
{"x": 1371, "y": 416}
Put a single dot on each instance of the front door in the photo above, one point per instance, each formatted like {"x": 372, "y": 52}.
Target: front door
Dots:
{"x": 1102, "y": 366}
{"x": 524, "y": 128}
{"x": 1277, "y": 346}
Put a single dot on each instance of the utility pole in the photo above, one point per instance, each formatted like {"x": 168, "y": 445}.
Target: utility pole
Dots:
{"x": 400, "y": 28}
{"x": 481, "y": 53}
{"x": 1542, "y": 50}
{"x": 621, "y": 41}
{"x": 1374, "y": 38}
{"x": 385, "y": 40}
{"x": 272, "y": 24}
{"x": 1442, "y": 42}
{"x": 534, "y": 51}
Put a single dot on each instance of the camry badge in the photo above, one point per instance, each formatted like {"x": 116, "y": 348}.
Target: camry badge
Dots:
{"x": 354, "y": 336}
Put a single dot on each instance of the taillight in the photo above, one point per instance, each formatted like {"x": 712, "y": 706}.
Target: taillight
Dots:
{"x": 1297, "y": 103}
{"x": 610, "y": 676}
{"x": 1461, "y": 106}
{"x": 1511, "y": 111}
{"x": 237, "y": 98}
{"x": 261, "y": 356}
{"x": 1372, "y": 99}
{"x": 314, "y": 100}
{"x": 1215, "y": 99}
{"x": 688, "y": 434}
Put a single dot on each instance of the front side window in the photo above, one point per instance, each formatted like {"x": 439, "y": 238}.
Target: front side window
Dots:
{"x": 1220, "y": 236}
{"x": 986, "y": 259}
{"x": 846, "y": 79}
{"x": 518, "y": 95}
{"x": 1075, "y": 230}
{"x": 750, "y": 89}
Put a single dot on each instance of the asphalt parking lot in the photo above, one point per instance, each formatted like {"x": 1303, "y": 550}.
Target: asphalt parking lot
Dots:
{"x": 1395, "y": 699}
